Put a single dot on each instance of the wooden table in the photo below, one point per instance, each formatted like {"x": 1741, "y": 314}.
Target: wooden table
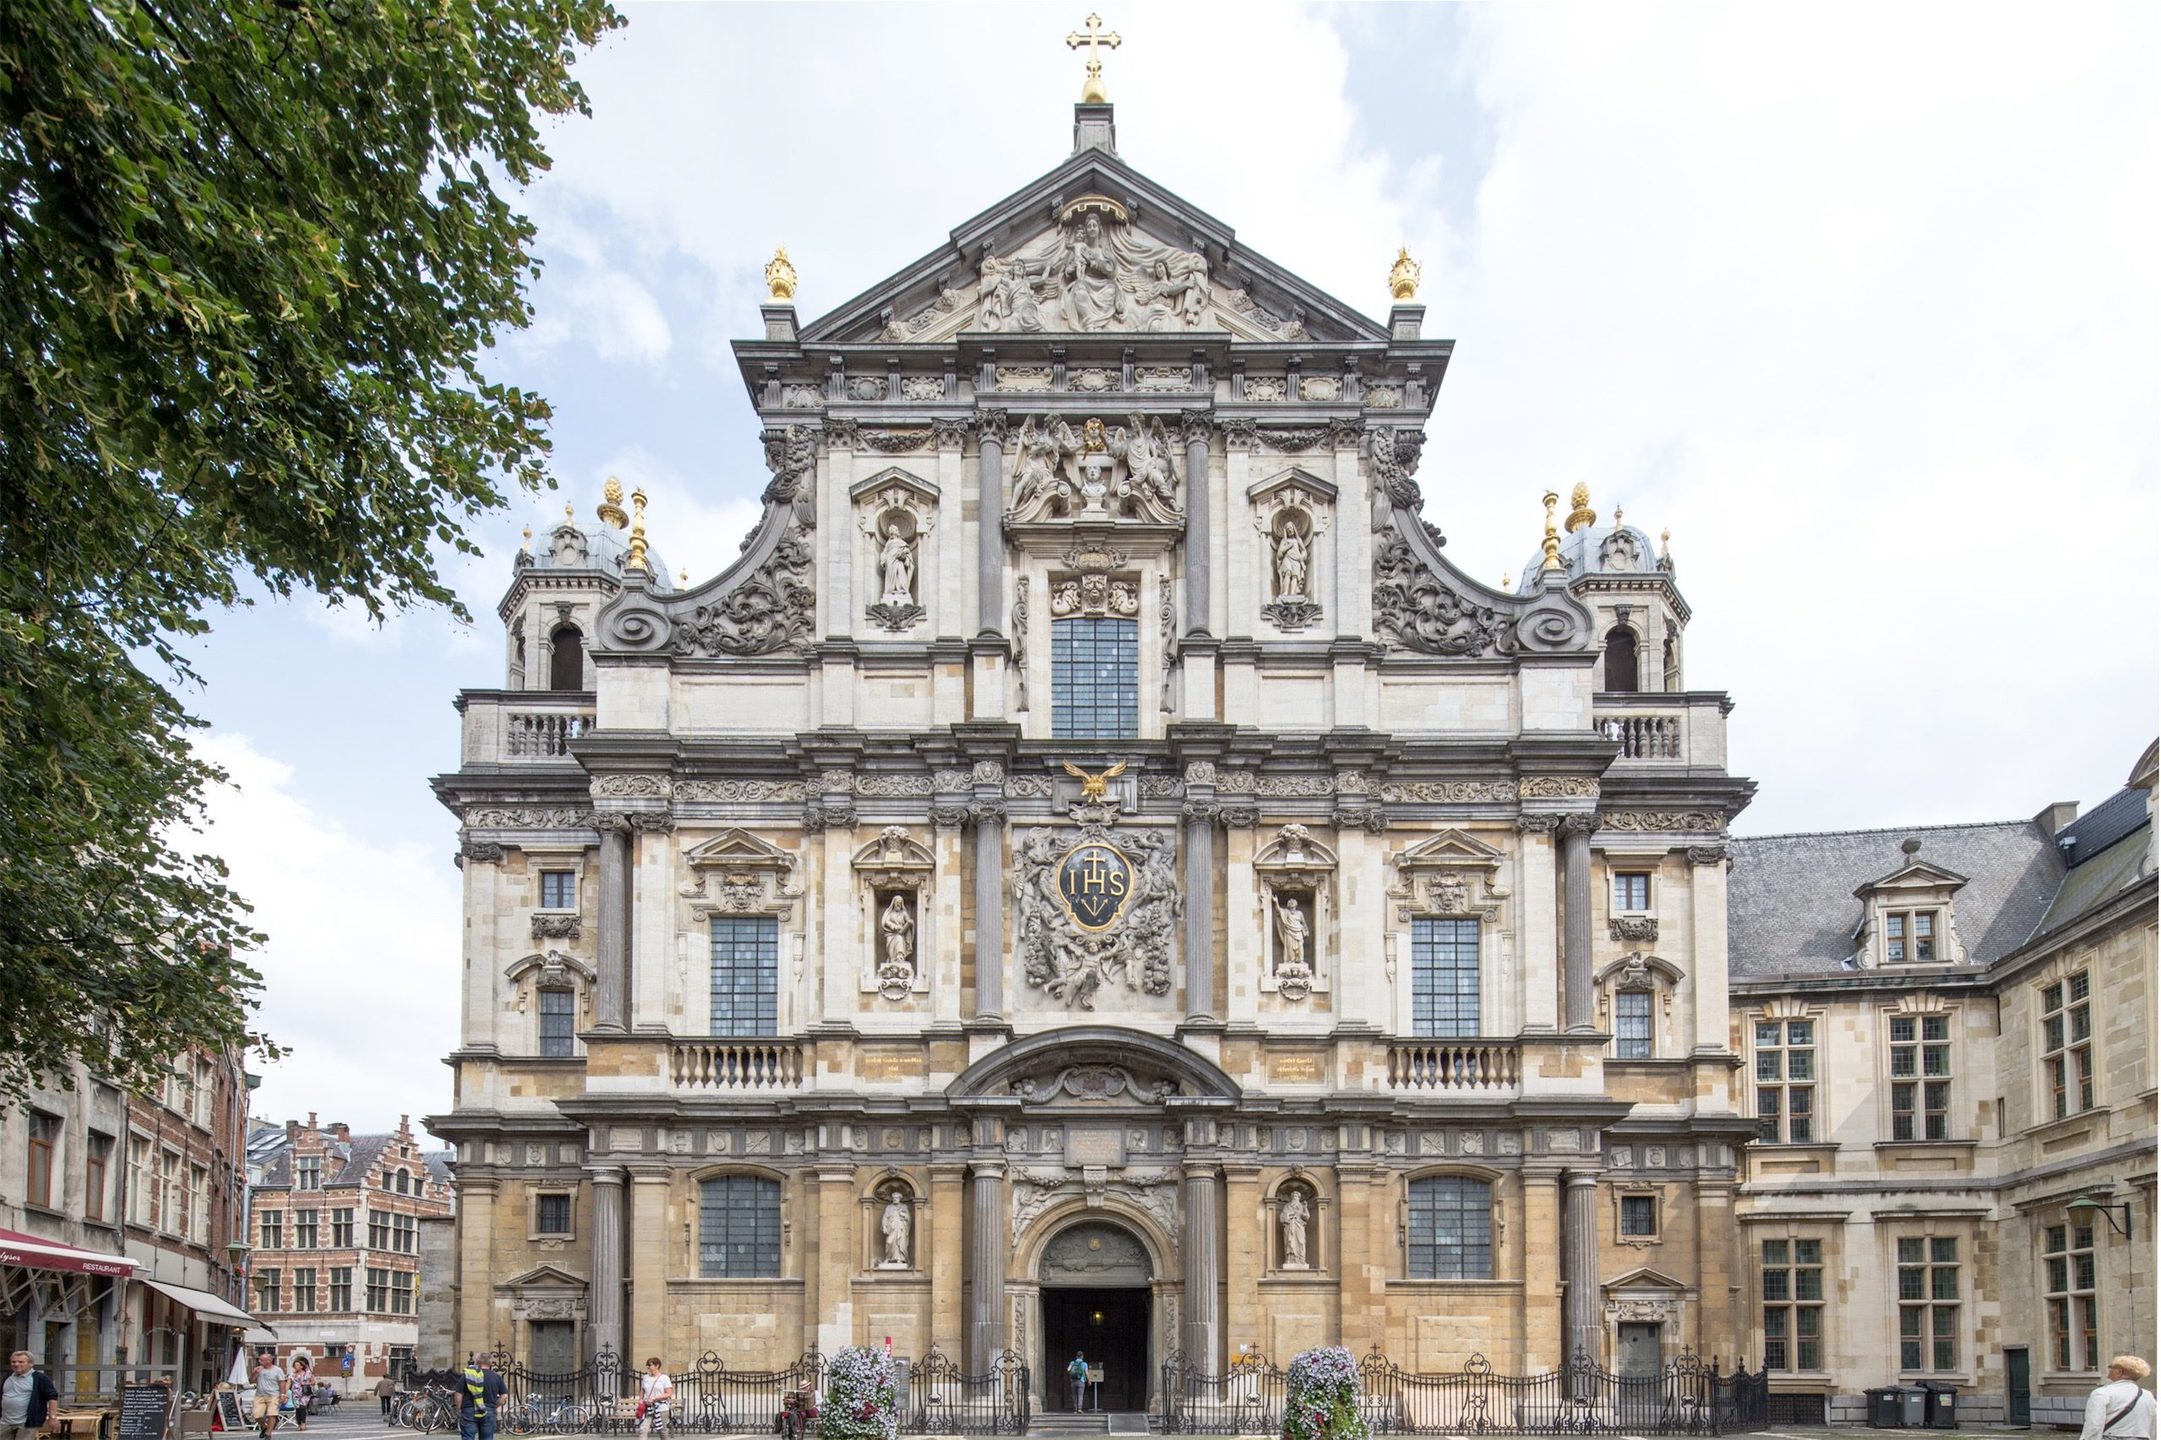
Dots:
{"x": 80, "y": 1424}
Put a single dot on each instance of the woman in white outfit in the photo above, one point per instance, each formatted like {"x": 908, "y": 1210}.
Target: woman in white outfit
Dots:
{"x": 2123, "y": 1409}
{"x": 658, "y": 1392}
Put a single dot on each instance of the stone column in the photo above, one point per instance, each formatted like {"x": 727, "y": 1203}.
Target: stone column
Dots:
{"x": 986, "y": 1263}
{"x": 611, "y": 990}
{"x": 990, "y": 522}
{"x": 604, "y": 1306}
{"x": 1201, "y": 1248}
{"x": 1200, "y": 902}
{"x": 1537, "y": 1236}
{"x": 1200, "y": 496}
{"x": 989, "y": 819}
{"x": 1580, "y": 1306}
{"x": 1579, "y": 1012}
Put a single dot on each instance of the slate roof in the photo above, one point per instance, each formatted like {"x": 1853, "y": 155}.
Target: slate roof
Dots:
{"x": 2105, "y": 824}
{"x": 1791, "y": 907}
{"x": 346, "y": 1162}
{"x": 2107, "y": 850}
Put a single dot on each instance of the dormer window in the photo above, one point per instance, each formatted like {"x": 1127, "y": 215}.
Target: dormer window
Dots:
{"x": 1909, "y": 937}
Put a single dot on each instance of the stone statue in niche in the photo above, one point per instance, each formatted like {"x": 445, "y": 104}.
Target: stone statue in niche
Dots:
{"x": 896, "y": 565}
{"x": 1294, "y": 939}
{"x": 1293, "y": 558}
{"x": 896, "y": 963}
{"x": 896, "y": 1225}
{"x": 1294, "y": 1217}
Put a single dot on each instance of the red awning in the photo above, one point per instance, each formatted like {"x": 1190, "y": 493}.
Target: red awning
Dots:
{"x": 32, "y": 1253}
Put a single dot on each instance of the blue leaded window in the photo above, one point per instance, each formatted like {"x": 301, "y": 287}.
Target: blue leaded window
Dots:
{"x": 1095, "y": 679}
{"x": 739, "y": 1227}
{"x": 746, "y": 975}
{"x": 558, "y": 1022}
{"x": 1444, "y": 977}
{"x": 1451, "y": 1229}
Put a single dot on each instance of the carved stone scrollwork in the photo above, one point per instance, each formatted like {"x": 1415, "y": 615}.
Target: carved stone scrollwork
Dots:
{"x": 1452, "y": 873}
{"x": 1240, "y": 817}
{"x": 1579, "y": 822}
{"x": 1195, "y": 427}
{"x": 987, "y": 812}
{"x": 951, "y": 434}
{"x": 1369, "y": 818}
{"x": 1201, "y": 810}
{"x": 1238, "y": 434}
{"x": 1020, "y": 643}
{"x": 1706, "y": 854}
{"x": 1132, "y": 950}
{"x": 1295, "y": 441}
{"x": 841, "y": 434}
{"x": 894, "y": 442}
{"x": 948, "y": 817}
{"x": 487, "y": 852}
{"x": 1537, "y": 824}
{"x": 1200, "y": 772}
{"x": 1558, "y": 787}
{"x": 738, "y": 873}
{"x": 557, "y": 927}
{"x": 993, "y": 426}
{"x": 1671, "y": 821}
{"x": 1635, "y": 929}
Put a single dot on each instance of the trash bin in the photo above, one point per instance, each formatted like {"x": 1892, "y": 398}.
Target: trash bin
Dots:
{"x": 1942, "y": 1404}
{"x": 1883, "y": 1411}
{"x": 1912, "y": 1407}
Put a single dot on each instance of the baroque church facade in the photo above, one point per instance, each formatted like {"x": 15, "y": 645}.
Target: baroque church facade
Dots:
{"x": 1092, "y": 875}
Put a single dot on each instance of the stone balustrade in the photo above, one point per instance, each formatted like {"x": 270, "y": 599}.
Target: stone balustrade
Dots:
{"x": 1459, "y": 1065}
{"x": 523, "y": 727}
{"x": 1686, "y": 728}
{"x": 736, "y": 1065}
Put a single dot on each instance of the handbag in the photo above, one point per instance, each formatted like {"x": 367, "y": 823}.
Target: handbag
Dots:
{"x": 641, "y": 1410}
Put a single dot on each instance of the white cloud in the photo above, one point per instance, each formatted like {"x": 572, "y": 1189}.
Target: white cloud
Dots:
{"x": 360, "y": 970}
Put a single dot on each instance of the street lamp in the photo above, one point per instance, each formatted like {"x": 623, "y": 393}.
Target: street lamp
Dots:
{"x": 2084, "y": 1207}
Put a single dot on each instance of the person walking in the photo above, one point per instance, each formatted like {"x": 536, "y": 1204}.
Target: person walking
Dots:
{"x": 2122, "y": 1409}
{"x": 385, "y": 1389}
{"x": 302, "y": 1390}
{"x": 269, "y": 1390}
{"x": 479, "y": 1398}
{"x": 1077, "y": 1372}
{"x": 26, "y": 1398}
{"x": 656, "y": 1392}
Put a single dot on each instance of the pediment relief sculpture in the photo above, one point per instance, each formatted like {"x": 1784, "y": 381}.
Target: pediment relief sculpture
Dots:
{"x": 737, "y": 873}
{"x": 1095, "y": 474}
{"x": 550, "y": 969}
{"x": 1450, "y": 874}
{"x": 1093, "y": 1084}
{"x": 1096, "y": 912}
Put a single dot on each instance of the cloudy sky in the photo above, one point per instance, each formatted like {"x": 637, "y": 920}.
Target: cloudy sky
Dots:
{"x": 1861, "y": 301}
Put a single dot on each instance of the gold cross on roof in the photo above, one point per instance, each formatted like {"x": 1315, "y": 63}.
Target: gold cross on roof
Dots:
{"x": 1092, "y": 92}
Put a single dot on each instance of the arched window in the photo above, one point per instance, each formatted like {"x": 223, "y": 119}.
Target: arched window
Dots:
{"x": 566, "y": 659}
{"x": 738, "y": 1227}
{"x": 1451, "y": 1230}
{"x": 1621, "y": 673}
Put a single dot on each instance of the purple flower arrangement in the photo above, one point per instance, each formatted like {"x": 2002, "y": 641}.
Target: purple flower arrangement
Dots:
{"x": 1320, "y": 1399}
{"x": 862, "y": 1396}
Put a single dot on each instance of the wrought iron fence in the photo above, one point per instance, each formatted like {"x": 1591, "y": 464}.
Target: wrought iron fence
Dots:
{"x": 1684, "y": 1397}
{"x": 943, "y": 1400}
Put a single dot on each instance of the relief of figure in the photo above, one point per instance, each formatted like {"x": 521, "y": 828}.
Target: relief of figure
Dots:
{"x": 896, "y": 565}
{"x": 1294, "y": 1215}
{"x": 1042, "y": 451}
{"x": 899, "y": 928}
{"x": 1293, "y": 556}
{"x": 1147, "y": 453}
{"x": 994, "y": 291}
{"x": 1094, "y": 300}
{"x": 1293, "y": 931}
{"x": 895, "y": 1225}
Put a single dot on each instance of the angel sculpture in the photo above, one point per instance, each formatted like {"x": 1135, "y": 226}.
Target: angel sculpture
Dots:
{"x": 1095, "y": 788}
{"x": 1035, "y": 474}
{"x": 1146, "y": 449}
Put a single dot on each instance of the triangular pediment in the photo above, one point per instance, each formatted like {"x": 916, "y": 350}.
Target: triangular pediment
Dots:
{"x": 1915, "y": 875}
{"x": 543, "y": 1277}
{"x": 1092, "y": 246}
{"x": 1451, "y": 849}
{"x": 738, "y": 849}
{"x": 1645, "y": 1278}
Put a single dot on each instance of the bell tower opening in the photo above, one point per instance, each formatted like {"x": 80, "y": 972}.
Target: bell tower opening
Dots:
{"x": 1096, "y": 1299}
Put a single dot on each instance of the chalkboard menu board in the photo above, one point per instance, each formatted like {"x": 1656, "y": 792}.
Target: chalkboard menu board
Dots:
{"x": 145, "y": 1411}
{"x": 228, "y": 1403}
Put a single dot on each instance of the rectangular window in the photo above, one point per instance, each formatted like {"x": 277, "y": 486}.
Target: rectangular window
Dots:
{"x": 551, "y": 1214}
{"x": 746, "y": 975}
{"x": 140, "y": 1189}
{"x": 739, "y": 1227}
{"x": 378, "y": 1230}
{"x": 378, "y": 1289}
{"x": 1786, "y": 1081}
{"x": 401, "y": 1292}
{"x": 44, "y": 1158}
{"x": 1632, "y": 890}
{"x": 97, "y": 1176}
{"x": 172, "y": 1199}
{"x": 1632, "y": 1024}
{"x": 405, "y": 1233}
{"x": 1444, "y": 977}
{"x": 2067, "y": 1044}
{"x": 1920, "y": 1077}
{"x": 1792, "y": 1277}
{"x": 273, "y": 1229}
{"x": 1909, "y": 937}
{"x": 307, "y": 1172}
{"x": 341, "y": 1229}
{"x": 198, "y": 1203}
{"x": 1928, "y": 1296}
{"x": 341, "y": 1288}
{"x": 1639, "y": 1216}
{"x": 2074, "y": 1308}
{"x": 266, "y": 1291}
{"x": 558, "y": 889}
{"x": 1095, "y": 679}
{"x": 304, "y": 1291}
{"x": 305, "y": 1228}
{"x": 558, "y": 1023}
{"x": 1451, "y": 1231}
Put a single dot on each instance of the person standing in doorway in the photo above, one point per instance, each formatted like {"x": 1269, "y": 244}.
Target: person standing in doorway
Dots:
{"x": 656, "y": 1392}
{"x": 269, "y": 1390}
{"x": 479, "y": 1398}
{"x": 2122, "y": 1409}
{"x": 1078, "y": 1373}
{"x": 26, "y": 1398}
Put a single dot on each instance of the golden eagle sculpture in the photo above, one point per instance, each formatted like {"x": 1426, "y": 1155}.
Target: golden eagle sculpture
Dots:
{"x": 1093, "y": 791}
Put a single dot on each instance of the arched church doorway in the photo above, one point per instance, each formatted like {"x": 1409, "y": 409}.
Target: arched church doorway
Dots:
{"x": 1096, "y": 1301}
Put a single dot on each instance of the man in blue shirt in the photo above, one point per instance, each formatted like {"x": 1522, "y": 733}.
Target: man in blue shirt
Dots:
{"x": 480, "y": 1397}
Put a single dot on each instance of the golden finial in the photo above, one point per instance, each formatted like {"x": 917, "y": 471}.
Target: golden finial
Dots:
{"x": 635, "y": 560}
{"x": 1616, "y": 517}
{"x": 611, "y": 504}
{"x": 570, "y": 513}
{"x": 682, "y": 578}
{"x": 1508, "y": 582}
{"x": 1092, "y": 91}
{"x": 780, "y": 275}
{"x": 525, "y": 546}
{"x": 1665, "y": 545}
{"x": 1403, "y": 276}
{"x": 1552, "y": 543}
{"x": 1580, "y": 512}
